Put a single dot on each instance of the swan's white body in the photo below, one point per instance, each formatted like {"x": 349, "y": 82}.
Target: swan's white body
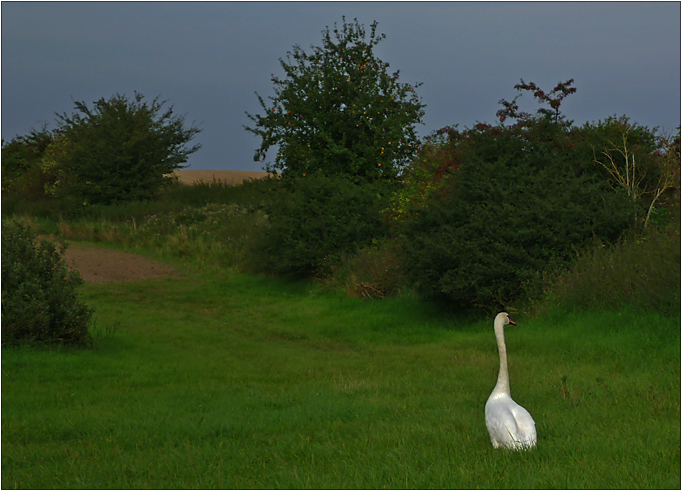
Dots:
{"x": 509, "y": 425}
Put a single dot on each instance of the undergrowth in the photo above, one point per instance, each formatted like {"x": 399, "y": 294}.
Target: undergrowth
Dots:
{"x": 640, "y": 271}
{"x": 226, "y": 226}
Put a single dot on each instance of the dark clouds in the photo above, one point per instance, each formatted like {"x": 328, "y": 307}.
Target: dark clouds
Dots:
{"x": 208, "y": 58}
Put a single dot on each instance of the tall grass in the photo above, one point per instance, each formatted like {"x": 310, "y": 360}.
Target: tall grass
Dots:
{"x": 641, "y": 270}
{"x": 172, "y": 199}
{"x": 215, "y": 381}
{"x": 214, "y": 224}
{"x": 214, "y": 235}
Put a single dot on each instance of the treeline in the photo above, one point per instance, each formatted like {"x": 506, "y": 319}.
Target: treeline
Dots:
{"x": 483, "y": 218}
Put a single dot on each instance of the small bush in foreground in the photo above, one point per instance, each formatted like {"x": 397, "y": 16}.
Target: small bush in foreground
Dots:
{"x": 39, "y": 302}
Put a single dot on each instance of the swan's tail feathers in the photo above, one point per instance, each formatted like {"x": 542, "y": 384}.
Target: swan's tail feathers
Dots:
{"x": 524, "y": 444}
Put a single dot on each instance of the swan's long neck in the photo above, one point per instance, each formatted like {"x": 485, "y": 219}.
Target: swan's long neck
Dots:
{"x": 503, "y": 385}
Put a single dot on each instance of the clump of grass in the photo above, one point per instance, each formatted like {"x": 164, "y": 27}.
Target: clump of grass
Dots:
{"x": 641, "y": 271}
{"x": 214, "y": 223}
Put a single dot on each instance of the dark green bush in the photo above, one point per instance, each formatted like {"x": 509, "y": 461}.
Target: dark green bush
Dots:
{"x": 21, "y": 159}
{"x": 250, "y": 193}
{"x": 39, "y": 302}
{"x": 372, "y": 272}
{"x": 122, "y": 149}
{"x": 517, "y": 205}
{"x": 315, "y": 220}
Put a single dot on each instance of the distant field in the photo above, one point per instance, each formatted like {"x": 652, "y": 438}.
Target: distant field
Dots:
{"x": 191, "y": 176}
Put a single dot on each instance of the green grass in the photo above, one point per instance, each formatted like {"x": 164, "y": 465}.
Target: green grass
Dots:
{"x": 217, "y": 380}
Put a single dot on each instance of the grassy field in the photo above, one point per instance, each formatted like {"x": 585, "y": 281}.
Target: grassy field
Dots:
{"x": 217, "y": 380}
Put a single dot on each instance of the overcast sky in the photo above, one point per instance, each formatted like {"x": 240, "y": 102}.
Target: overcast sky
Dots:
{"x": 208, "y": 58}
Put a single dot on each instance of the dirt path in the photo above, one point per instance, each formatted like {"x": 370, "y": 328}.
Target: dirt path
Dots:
{"x": 103, "y": 265}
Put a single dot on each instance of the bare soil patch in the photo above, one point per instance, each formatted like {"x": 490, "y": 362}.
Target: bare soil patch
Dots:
{"x": 106, "y": 265}
{"x": 192, "y": 176}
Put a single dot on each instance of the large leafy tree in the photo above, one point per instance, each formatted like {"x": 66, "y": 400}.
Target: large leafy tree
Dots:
{"x": 339, "y": 111}
{"x": 120, "y": 149}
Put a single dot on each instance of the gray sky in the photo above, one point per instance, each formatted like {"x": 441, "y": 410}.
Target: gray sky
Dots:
{"x": 208, "y": 58}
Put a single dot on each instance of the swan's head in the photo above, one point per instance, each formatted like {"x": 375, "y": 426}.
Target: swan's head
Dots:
{"x": 503, "y": 319}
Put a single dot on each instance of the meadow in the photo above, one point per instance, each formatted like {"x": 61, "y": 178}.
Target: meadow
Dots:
{"x": 215, "y": 380}
{"x": 221, "y": 378}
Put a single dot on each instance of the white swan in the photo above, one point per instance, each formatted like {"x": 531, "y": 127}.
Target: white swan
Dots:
{"x": 509, "y": 425}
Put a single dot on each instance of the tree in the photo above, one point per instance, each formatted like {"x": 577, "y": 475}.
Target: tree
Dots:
{"x": 315, "y": 221}
{"x": 442, "y": 152}
{"x": 119, "y": 150}
{"x": 339, "y": 111}
{"x": 516, "y": 207}
{"x": 554, "y": 99}
{"x": 21, "y": 159}
{"x": 637, "y": 161}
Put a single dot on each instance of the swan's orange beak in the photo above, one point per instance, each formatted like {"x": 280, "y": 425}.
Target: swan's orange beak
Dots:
{"x": 513, "y": 323}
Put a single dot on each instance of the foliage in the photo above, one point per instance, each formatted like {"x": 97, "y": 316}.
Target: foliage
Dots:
{"x": 39, "y": 302}
{"x": 251, "y": 193}
{"x": 638, "y": 161}
{"x": 641, "y": 271}
{"x": 517, "y": 205}
{"x": 21, "y": 158}
{"x": 430, "y": 173}
{"x": 119, "y": 150}
{"x": 317, "y": 219}
{"x": 215, "y": 235}
{"x": 339, "y": 111}
{"x": 371, "y": 272}
{"x": 440, "y": 156}
{"x": 553, "y": 99}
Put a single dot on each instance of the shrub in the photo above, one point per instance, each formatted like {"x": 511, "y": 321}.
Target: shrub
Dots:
{"x": 119, "y": 150}
{"x": 516, "y": 206}
{"x": 21, "y": 159}
{"x": 39, "y": 302}
{"x": 250, "y": 193}
{"x": 372, "y": 272}
{"x": 315, "y": 220}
